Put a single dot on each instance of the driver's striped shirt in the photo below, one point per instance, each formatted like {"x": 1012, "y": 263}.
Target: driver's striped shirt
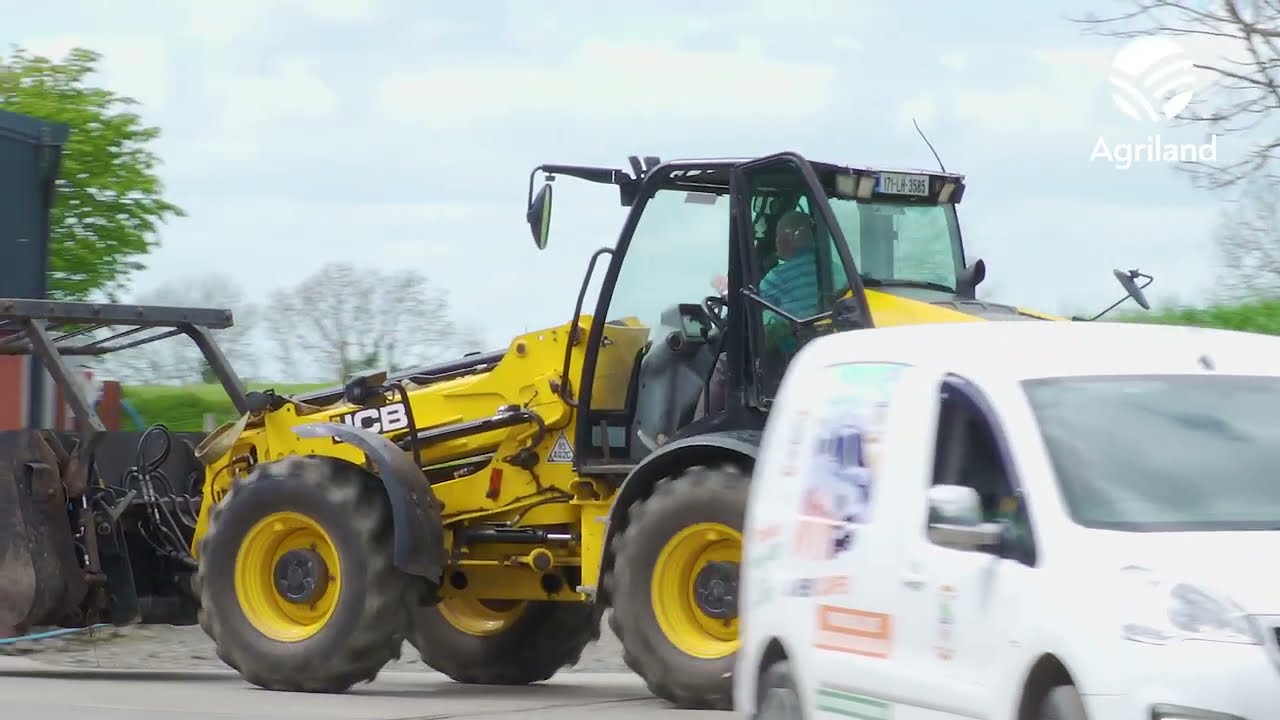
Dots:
{"x": 793, "y": 285}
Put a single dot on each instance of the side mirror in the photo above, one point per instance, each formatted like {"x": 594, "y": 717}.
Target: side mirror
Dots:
{"x": 539, "y": 216}
{"x": 955, "y": 519}
{"x": 1128, "y": 282}
{"x": 970, "y": 278}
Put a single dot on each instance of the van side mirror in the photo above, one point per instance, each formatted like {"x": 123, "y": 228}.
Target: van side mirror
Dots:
{"x": 539, "y": 216}
{"x": 955, "y": 519}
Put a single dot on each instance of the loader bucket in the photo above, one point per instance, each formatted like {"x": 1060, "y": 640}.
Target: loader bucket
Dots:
{"x": 40, "y": 582}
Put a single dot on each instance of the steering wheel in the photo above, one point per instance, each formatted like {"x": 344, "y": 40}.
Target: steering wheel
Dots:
{"x": 715, "y": 306}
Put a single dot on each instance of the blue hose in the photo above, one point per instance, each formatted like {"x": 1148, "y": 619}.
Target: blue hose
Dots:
{"x": 133, "y": 414}
{"x": 129, "y": 409}
{"x": 50, "y": 634}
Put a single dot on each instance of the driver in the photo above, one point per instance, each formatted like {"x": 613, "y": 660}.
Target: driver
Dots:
{"x": 792, "y": 284}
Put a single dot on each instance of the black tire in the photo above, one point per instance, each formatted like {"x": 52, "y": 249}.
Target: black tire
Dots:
{"x": 368, "y": 624}
{"x": 699, "y": 494}
{"x": 1062, "y": 703}
{"x": 546, "y": 637}
{"x": 779, "y": 696}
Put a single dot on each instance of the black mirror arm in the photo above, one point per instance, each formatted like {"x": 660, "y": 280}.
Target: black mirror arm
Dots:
{"x": 1133, "y": 274}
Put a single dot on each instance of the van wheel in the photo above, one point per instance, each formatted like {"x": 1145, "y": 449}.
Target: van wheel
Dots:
{"x": 674, "y": 586}
{"x": 779, "y": 696}
{"x": 1062, "y": 703}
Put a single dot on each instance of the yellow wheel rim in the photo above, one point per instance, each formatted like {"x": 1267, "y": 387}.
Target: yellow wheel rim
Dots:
{"x": 673, "y": 592}
{"x": 480, "y": 617}
{"x": 257, "y": 560}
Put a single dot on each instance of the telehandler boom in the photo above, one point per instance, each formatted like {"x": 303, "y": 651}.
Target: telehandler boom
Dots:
{"x": 490, "y": 509}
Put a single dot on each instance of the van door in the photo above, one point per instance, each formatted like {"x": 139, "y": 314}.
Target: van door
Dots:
{"x": 959, "y": 608}
{"x": 843, "y": 538}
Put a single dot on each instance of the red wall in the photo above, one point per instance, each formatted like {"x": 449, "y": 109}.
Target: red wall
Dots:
{"x": 12, "y": 388}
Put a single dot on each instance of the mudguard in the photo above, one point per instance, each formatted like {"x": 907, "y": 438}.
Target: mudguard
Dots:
{"x": 720, "y": 446}
{"x": 419, "y": 531}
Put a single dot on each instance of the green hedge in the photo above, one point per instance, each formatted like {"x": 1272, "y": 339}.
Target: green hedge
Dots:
{"x": 182, "y": 407}
{"x": 1262, "y": 316}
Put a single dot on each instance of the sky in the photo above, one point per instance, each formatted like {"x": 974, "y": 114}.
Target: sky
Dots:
{"x": 402, "y": 133}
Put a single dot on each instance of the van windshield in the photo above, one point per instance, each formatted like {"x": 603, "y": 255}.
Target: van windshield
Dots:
{"x": 1157, "y": 453}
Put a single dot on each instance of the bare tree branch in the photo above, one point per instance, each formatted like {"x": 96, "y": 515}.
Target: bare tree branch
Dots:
{"x": 1246, "y": 245}
{"x": 178, "y": 360}
{"x": 1245, "y": 89}
{"x": 347, "y": 319}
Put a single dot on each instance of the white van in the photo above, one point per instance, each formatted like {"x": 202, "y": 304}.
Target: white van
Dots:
{"x": 1020, "y": 521}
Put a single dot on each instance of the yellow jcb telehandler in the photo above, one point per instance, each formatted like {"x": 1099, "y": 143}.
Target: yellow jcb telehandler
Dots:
{"x": 490, "y": 509}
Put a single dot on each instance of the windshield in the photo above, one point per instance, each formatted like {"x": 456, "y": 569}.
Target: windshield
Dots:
{"x": 1164, "y": 452}
{"x": 901, "y": 243}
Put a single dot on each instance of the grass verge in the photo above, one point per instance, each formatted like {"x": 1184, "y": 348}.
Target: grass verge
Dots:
{"x": 182, "y": 407}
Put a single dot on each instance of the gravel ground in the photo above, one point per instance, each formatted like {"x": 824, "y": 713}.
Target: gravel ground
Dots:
{"x": 166, "y": 647}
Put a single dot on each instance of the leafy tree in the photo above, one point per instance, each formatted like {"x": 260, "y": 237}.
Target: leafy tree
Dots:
{"x": 109, "y": 199}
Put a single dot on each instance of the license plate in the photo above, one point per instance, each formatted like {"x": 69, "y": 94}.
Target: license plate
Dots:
{"x": 903, "y": 184}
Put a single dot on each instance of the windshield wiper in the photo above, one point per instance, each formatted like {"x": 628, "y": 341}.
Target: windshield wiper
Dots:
{"x": 876, "y": 282}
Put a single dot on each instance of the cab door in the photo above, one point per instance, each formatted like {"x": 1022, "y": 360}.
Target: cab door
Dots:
{"x": 761, "y": 192}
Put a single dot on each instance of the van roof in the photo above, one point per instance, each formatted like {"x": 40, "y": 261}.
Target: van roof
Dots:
{"x": 1023, "y": 350}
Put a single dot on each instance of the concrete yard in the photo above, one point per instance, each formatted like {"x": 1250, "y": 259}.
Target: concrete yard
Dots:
{"x": 163, "y": 672}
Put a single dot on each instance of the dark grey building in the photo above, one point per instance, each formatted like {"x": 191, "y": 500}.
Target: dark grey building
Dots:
{"x": 30, "y": 160}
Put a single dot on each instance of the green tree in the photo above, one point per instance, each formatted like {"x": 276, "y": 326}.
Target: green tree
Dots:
{"x": 109, "y": 198}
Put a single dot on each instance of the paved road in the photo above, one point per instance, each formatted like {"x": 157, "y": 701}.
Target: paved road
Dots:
{"x": 29, "y": 689}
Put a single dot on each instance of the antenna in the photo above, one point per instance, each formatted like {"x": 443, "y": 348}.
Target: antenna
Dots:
{"x": 926, "y": 142}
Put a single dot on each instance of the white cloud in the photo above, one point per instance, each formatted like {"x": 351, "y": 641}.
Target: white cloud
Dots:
{"x": 1057, "y": 253}
{"x": 290, "y": 90}
{"x": 136, "y": 65}
{"x": 922, "y": 108}
{"x": 636, "y": 82}
{"x": 344, "y": 12}
{"x": 955, "y": 61}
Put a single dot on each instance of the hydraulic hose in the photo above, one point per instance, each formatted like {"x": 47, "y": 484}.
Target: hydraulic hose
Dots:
{"x": 48, "y": 634}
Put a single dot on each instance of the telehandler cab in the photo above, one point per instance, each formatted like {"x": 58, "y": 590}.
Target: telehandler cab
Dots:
{"x": 490, "y": 509}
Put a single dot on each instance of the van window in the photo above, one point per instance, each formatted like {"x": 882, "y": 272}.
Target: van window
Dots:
{"x": 967, "y": 454}
{"x": 1152, "y": 453}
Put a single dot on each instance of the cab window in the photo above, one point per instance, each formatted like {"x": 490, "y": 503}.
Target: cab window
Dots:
{"x": 679, "y": 248}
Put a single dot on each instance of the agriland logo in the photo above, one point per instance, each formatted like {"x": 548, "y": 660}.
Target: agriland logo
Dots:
{"x": 1152, "y": 80}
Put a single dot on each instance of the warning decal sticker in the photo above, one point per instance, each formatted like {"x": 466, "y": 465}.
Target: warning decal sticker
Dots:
{"x": 561, "y": 452}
